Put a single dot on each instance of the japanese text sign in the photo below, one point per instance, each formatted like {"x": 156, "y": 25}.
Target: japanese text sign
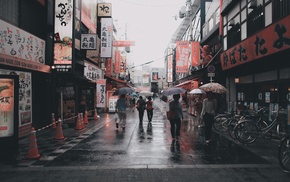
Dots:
{"x": 101, "y": 93}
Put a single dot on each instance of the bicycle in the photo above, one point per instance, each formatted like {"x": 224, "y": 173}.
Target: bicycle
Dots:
{"x": 284, "y": 153}
{"x": 248, "y": 131}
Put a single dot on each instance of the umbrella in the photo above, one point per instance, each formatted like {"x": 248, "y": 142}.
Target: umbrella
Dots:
{"x": 213, "y": 87}
{"x": 145, "y": 93}
{"x": 197, "y": 91}
{"x": 173, "y": 91}
{"x": 134, "y": 94}
{"x": 123, "y": 90}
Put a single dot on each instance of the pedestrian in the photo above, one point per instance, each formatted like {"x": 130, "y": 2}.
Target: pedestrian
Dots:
{"x": 198, "y": 109}
{"x": 141, "y": 108}
{"x": 133, "y": 103}
{"x": 175, "y": 122}
{"x": 121, "y": 106}
{"x": 209, "y": 106}
{"x": 149, "y": 109}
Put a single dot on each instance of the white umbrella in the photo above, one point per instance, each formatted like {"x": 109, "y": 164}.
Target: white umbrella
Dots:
{"x": 197, "y": 91}
{"x": 145, "y": 93}
{"x": 173, "y": 91}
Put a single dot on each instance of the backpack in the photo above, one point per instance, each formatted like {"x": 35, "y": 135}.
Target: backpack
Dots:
{"x": 141, "y": 105}
{"x": 149, "y": 105}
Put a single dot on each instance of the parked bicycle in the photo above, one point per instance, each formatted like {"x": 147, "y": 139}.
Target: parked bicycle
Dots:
{"x": 248, "y": 131}
{"x": 284, "y": 153}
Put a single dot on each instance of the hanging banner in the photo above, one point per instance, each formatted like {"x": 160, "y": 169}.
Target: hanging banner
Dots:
{"x": 109, "y": 67}
{"x": 101, "y": 93}
{"x": 117, "y": 59}
{"x": 123, "y": 43}
{"x": 106, "y": 37}
{"x": 169, "y": 65}
{"x": 63, "y": 27}
{"x": 123, "y": 63}
{"x": 195, "y": 54}
{"x": 182, "y": 53}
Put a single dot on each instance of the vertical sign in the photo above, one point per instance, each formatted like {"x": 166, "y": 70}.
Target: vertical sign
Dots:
{"x": 123, "y": 63}
{"x": 63, "y": 21}
{"x": 117, "y": 58}
{"x": 169, "y": 66}
{"x": 101, "y": 93}
{"x": 109, "y": 66}
{"x": 195, "y": 54}
{"x": 182, "y": 53}
{"x": 106, "y": 37}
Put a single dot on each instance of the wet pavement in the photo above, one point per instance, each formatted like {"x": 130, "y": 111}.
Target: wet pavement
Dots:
{"x": 102, "y": 152}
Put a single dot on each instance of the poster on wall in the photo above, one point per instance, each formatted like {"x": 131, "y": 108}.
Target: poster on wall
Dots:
{"x": 154, "y": 76}
{"x": 267, "y": 97}
{"x": 8, "y": 101}
{"x": 25, "y": 95}
{"x": 101, "y": 93}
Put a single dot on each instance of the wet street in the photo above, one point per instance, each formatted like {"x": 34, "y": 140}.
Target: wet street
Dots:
{"x": 102, "y": 147}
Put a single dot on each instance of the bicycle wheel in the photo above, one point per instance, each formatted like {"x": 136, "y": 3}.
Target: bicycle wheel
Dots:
{"x": 281, "y": 130}
{"x": 246, "y": 132}
{"x": 284, "y": 154}
{"x": 221, "y": 124}
{"x": 231, "y": 128}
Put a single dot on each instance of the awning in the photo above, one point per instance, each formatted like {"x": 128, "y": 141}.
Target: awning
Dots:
{"x": 188, "y": 85}
{"x": 116, "y": 79}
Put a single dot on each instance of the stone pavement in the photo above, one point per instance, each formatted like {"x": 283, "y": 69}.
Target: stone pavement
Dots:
{"x": 23, "y": 170}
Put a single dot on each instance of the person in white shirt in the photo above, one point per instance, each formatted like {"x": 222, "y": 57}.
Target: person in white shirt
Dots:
{"x": 209, "y": 106}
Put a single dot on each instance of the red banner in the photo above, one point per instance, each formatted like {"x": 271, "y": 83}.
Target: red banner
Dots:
{"x": 117, "y": 61}
{"x": 272, "y": 39}
{"x": 109, "y": 67}
{"x": 123, "y": 43}
{"x": 195, "y": 54}
{"x": 182, "y": 53}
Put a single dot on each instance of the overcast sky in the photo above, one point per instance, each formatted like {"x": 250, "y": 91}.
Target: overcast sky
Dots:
{"x": 150, "y": 23}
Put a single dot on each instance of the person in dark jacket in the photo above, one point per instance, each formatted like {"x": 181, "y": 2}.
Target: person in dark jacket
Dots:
{"x": 175, "y": 122}
{"x": 141, "y": 104}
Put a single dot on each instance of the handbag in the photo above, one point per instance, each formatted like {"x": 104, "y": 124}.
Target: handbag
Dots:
{"x": 170, "y": 115}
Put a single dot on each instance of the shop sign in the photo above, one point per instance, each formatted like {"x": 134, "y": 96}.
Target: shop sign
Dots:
{"x": 63, "y": 28}
{"x": 267, "y": 97}
{"x": 89, "y": 41}
{"x": 117, "y": 59}
{"x": 182, "y": 54}
{"x": 92, "y": 72}
{"x": 259, "y": 45}
{"x": 195, "y": 54}
{"x": 101, "y": 93}
{"x": 106, "y": 37}
{"x": 123, "y": 43}
{"x": 154, "y": 77}
{"x": 109, "y": 67}
{"x": 169, "y": 66}
{"x": 104, "y": 9}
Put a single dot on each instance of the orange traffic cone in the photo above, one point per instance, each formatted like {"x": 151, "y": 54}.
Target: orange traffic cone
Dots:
{"x": 32, "y": 149}
{"x": 96, "y": 117}
{"x": 53, "y": 121}
{"x": 82, "y": 120}
{"x": 59, "y": 133}
{"x": 86, "y": 121}
{"x": 79, "y": 123}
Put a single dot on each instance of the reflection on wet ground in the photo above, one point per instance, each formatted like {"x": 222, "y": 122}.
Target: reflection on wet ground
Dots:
{"x": 147, "y": 144}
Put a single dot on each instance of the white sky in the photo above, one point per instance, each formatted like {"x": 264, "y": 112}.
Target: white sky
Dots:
{"x": 150, "y": 23}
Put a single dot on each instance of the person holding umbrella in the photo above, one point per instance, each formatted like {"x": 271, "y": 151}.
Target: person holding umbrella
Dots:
{"x": 209, "y": 106}
{"x": 121, "y": 106}
{"x": 175, "y": 122}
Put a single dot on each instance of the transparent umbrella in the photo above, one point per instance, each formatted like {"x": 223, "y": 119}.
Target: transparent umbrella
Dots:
{"x": 214, "y": 87}
{"x": 123, "y": 90}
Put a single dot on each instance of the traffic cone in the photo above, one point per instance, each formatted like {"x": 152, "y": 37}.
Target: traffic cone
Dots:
{"x": 79, "y": 123}
{"x": 86, "y": 121}
{"x": 82, "y": 120}
{"x": 96, "y": 117}
{"x": 32, "y": 152}
{"x": 53, "y": 121}
{"x": 59, "y": 133}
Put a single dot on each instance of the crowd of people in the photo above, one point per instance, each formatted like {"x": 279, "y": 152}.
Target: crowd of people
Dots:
{"x": 205, "y": 109}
